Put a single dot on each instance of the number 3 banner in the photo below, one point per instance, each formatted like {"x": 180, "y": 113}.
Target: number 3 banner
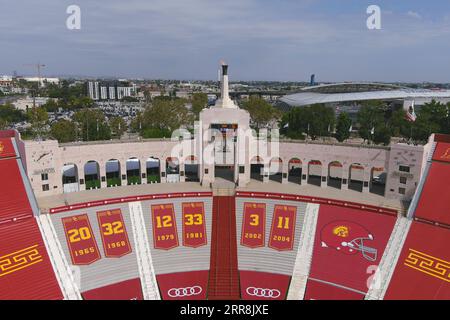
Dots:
{"x": 283, "y": 228}
{"x": 165, "y": 235}
{"x": 194, "y": 229}
{"x": 114, "y": 234}
{"x": 80, "y": 239}
{"x": 254, "y": 225}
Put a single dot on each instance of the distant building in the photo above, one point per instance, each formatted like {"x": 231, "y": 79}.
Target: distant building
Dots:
{"x": 26, "y": 103}
{"x": 112, "y": 90}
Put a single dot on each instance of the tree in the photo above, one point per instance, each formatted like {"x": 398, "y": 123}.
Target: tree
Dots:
{"x": 64, "y": 131}
{"x": 10, "y": 114}
{"x": 199, "y": 102}
{"x": 166, "y": 114}
{"x": 382, "y": 135}
{"x": 315, "y": 120}
{"x": 370, "y": 115}
{"x": 261, "y": 112}
{"x": 118, "y": 127}
{"x": 51, "y": 105}
{"x": 92, "y": 125}
{"x": 343, "y": 127}
{"x": 3, "y": 124}
{"x": 38, "y": 118}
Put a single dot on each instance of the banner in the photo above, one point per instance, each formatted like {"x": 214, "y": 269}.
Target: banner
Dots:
{"x": 254, "y": 225}
{"x": 283, "y": 227}
{"x": 165, "y": 234}
{"x": 80, "y": 239}
{"x": 194, "y": 228}
{"x": 114, "y": 233}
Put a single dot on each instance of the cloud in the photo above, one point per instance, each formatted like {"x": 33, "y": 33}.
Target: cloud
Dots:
{"x": 414, "y": 14}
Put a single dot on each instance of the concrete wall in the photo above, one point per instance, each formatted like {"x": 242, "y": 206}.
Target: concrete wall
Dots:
{"x": 50, "y": 157}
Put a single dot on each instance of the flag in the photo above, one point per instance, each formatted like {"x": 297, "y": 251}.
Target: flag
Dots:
{"x": 286, "y": 126}
{"x": 308, "y": 127}
{"x": 410, "y": 114}
{"x": 328, "y": 127}
{"x": 372, "y": 131}
{"x": 350, "y": 129}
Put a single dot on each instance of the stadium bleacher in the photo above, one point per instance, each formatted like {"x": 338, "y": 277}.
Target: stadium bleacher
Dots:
{"x": 97, "y": 260}
{"x": 26, "y": 271}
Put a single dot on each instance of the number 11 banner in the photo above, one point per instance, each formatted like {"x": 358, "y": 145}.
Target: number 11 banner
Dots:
{"x": 165, "y": 235}
{"x": 283, "y": 228}
{"x": 194, "y": 228}
{"x": 114, "y": 234}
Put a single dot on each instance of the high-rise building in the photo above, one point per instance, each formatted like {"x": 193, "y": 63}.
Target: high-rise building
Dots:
{"x": 113, "y": 90}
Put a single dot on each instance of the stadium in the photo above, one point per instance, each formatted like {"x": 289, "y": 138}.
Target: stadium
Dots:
{"x": 223, "y": 214}
{"x": 348, "y": 96}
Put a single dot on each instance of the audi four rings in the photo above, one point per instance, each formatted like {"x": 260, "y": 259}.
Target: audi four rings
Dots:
{"x": 184, "y": 292}
{"x": 263, "y": 293}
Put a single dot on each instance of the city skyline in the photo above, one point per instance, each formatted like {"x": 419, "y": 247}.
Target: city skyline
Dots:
{"x": 261, "y": 40}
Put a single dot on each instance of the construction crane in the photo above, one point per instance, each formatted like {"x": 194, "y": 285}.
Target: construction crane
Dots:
{"x": 38, "y": 67}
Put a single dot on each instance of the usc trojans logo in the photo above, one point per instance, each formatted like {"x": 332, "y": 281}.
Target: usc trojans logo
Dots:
{"x": 341, "y": 231}
{"x": 445, "y": 156}
{"x": 1, "y": 147}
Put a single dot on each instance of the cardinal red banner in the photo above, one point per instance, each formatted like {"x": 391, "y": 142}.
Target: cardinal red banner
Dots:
{"x": 194, "y": 228}
{"x": 165, "y": 234}
{"x": 254, "y": 225}
{"x": 114, "y": 233}
{"x": 283, "y": 228}
{"x": 80, "y": 239}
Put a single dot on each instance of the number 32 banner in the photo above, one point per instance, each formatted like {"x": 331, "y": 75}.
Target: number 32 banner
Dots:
{"x": 283, "y": 228}
{"x": 194, "y": 229}
{"x": 165, "y": 235}
{"x": 114, "y": 234}
{"x": 80, "y": 239}
{"x": 254, "y": 225}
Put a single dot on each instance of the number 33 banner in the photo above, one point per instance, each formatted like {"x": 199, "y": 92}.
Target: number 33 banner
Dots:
{"x": 165, "y": 234}
{"x": 114, "y": 233}
{"x": 80, "y": 239}
{"x": 194, "y": 229}
{"x": 283, "y": 228}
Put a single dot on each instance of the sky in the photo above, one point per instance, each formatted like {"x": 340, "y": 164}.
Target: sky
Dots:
{"x": 282, "y": 40}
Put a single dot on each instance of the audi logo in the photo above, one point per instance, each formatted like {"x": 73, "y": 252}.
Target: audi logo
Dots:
{"x": 263, "y": 293}
{"x": 184, "y": 292}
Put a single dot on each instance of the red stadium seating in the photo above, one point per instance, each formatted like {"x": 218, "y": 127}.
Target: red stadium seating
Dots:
{"x": 316, "y": 290}
{"x": 434, "y": 204}
{"x": 423, "y": 269}
{"x": 6, "y": 148}
{"x": 347, "y": 243}
{"x": 224, "y": 276}
{"x": 25, "y": 269}
{"x": 14, "y": 203}
{"x": 125, "y": 290}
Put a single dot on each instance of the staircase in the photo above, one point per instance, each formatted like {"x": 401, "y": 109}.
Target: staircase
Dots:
{"x": 224, "y": 275}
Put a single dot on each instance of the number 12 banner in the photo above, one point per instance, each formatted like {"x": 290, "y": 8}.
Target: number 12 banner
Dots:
{"x": 80, "y": 240}
{"x": 114, "y": 234}
{"x": 194, "y": 228}
{"x": 283, "y": 228}
{"x": 165, "y": 235}
{"x": 254, "y": 225}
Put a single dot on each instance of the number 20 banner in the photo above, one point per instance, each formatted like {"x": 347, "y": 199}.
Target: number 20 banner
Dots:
{"x": 283, "y": 228}
{"x": 165, "y": 235}
{"x": 80, "y": 239}
{"x": 254, "y": 225}
{"x": 194, "y": 228}
{"x": 114, "y": 234}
